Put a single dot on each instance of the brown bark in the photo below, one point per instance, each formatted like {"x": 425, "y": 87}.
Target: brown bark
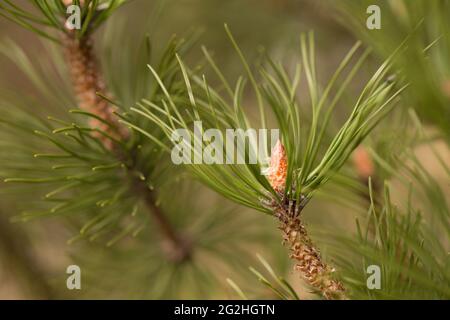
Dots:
{"x": 176, "y": 246}
{"x": 87, "y": 81}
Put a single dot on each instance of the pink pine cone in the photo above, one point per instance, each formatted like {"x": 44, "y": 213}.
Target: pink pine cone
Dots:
{"x": 363, "y": 162}
{"x": 277, "y": 172}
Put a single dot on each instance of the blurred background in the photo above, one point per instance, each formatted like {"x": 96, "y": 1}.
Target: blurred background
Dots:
{"x": 34, "y": 255}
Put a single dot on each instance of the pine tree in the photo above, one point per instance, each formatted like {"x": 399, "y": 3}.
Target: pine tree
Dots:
{"x": 93, "y": 145}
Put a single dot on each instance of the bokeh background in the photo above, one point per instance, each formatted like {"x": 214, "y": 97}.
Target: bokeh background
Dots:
{"x": 34, "y": 255}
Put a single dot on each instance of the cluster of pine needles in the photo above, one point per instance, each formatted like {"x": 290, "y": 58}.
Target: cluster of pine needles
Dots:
{"x": 92, "y": 148}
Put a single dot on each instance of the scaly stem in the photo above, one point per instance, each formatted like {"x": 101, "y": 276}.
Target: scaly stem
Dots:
{"x": 309, "y": 263}
{"x": 308, "y": 260}
{"x": 87, "y": 81}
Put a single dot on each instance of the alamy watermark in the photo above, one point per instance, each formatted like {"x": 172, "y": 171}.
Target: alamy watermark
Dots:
{"x": 213, "y": 146}
{"x": 74, "y": 20}
{"x": 73, "y": 281}
{"x": 374, "y": 20}
{"x": 374, "y": 280}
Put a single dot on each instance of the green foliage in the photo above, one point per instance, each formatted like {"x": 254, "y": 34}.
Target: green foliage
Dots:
{"x": 306, "y": 171}
{"x": 56, "y": 165}
{"x": 61, "y": 166}
{"x": 424, "y": 62}
{"x": 408, "y": 242}
{"x": 51, "y": 14}
{"x": 74, "y": 171}
{"x": 276, "y": 284}
{"x": 220, "y": 235}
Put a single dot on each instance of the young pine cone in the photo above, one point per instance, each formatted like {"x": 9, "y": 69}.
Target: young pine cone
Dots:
{"x": 70, "y": 2}
{"x": 363, "y": 163}
{"x": 277, "y": 171}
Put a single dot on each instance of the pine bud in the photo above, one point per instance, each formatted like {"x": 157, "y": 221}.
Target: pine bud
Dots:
{"x": 363, "y": 163}
{"x": 277, "y": 172}
{"x": 70, "y": 2}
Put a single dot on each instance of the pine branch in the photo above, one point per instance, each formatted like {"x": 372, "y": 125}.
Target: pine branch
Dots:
{"x": 313, "y": 269}
{"x": 88, "y": 82}
{"x": 94, "y": 100}
{"x": 296, "y": 172}
{"x": 176, "y": 246}
{"x": 308, "y": 260}
{"x": 288, "y": 211}
{"x": 309, "y": 263}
